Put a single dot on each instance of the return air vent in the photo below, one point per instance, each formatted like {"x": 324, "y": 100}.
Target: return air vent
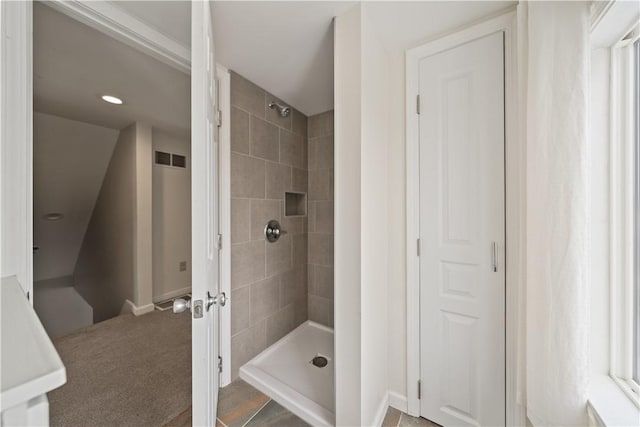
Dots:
{"x": 170, "y": 159}
{"x": 163, "y": 158}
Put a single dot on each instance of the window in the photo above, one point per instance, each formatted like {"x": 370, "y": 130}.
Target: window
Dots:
{"x": 625, "y": 224}
{"x": 636, "y": 217}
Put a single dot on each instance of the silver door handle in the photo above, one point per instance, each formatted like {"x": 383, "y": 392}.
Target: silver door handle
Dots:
{"x": 180, "y": 305}
{"x": 494, "y": 256}
{"x": 220, "y": 299}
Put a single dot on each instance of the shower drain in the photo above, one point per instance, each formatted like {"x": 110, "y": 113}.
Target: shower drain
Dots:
{"x": 319, "y": 361}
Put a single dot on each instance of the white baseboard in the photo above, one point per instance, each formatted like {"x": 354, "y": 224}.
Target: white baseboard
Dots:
{"x": 398, "y": 401}
{"x": 172, "y": 294}
{"x": 129, "y": 307}
{"x": 378, "y": 419}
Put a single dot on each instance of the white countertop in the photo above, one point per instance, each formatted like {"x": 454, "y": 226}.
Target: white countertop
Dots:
{"x": 29, "y": 363}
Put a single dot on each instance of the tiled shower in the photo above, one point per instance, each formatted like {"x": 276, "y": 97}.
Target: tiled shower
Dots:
{"x": 277, "y": 286}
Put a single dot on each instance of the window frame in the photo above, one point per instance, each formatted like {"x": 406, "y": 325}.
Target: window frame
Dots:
{"x": 624, "y": 202}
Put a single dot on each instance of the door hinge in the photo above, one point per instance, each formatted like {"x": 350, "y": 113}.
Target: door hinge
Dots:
{"x": 417, "y": 104}
{"x": 419, "y": 389}
{"x": 218, "y": 118}
{"x": 219, "y": 242}
{"x": 220, "y": 364}
{"x": 28, "y": 296}
{"x": 418, "y": 247}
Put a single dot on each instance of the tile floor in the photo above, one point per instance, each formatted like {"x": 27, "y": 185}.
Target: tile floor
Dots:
{"x": 241, "y": 405}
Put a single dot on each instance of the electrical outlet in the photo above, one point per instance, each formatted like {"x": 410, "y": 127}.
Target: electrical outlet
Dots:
{"x": 183, "y": 265}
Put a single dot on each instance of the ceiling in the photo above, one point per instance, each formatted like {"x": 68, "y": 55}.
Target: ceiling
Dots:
{"x": 74, "y": 65}
{"x": 286, "y": 47}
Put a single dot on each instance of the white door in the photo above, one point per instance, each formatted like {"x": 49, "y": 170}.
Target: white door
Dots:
{"x": 462, "y": 275}
{"x": 204, "y": 218}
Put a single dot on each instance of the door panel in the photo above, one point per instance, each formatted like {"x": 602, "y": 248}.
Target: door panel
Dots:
{"x": 204, "y": 212}
{"x": 462, "y": 300}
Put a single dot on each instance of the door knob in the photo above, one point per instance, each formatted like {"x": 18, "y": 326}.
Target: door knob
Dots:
{"x": 180, "y": 305}
{"x": 220, "y": 299}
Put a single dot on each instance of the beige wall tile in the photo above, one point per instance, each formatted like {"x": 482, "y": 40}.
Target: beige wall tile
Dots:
{"x": 262, "y": 211}
{"x": 320, "y": 249}
{"x": 246, "y": 95}
{"x": 280, "y": 324}
{"x": 265, "y": 298}
{"x": 247, "y": 263}
{"x": 324, "y": 216}
{"x": 323, "y": 147}
{"x": 301, "y": 311}
{"x": 240, "y": 220}
{"x": 300, "y": 251}
{"x": 288, "y": 288}
{"x": 279, "y": 255}
{"x": 278, "y": 180}
{"x": 291, "y": 149}
{"x": 264, "y": 140}
{"x": 240, "y": 309}
{"x": 311, "y": 215}
{"x": 273, "y": 116}
{"x": 321, "y": 124}
{"x": 319, "y": 309}
{"x": 247, "y": 176}
{"x": 319, "y": 185}
{"x": 246, "y": 345}
{"x": 299, "y": 123}
{"x": 239, "y": 131}
{"x": 322, "y": 282}
{"x": 293, "y": 224}
{"x": 299, "y": 180}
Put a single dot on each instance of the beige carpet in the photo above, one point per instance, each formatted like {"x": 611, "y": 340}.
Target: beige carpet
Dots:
{"x": 126, "y": 371}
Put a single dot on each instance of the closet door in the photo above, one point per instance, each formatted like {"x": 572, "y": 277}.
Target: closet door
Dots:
{"x": 462, "y": 234}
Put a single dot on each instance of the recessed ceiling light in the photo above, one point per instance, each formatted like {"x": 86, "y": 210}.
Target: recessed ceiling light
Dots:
{"x": 112, "y": 99}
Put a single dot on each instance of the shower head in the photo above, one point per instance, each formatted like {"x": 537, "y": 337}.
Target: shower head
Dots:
{"x": 283, "y": 110}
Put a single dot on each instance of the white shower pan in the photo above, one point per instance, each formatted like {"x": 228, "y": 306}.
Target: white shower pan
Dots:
{"x": 285, "y": 372}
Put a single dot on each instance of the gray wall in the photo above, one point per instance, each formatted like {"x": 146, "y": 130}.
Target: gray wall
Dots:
{"x": 104, "y": 271}
{"x": 268, "y": 280}
{"x": 114, "y": 263}
{"x": 320, "y": 218}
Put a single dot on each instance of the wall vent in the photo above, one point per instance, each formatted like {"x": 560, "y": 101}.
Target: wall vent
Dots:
{"x": 163, "y": 158}
{"x": 170, "y": 159}
{"x": 178, "y": 161}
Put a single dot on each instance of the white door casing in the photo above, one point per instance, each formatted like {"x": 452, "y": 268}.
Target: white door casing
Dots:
{"x": 204, "y": 217}
{"x": 462, "y": 214}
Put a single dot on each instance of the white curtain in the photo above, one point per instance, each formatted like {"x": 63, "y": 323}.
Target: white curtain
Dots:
{"x": 557, "y": 288}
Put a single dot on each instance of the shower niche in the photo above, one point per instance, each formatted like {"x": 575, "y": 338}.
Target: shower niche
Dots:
{"x": 295, "y": 204}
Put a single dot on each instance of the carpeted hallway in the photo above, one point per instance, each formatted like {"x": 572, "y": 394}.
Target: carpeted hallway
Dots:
{"x": 126, "y": 371}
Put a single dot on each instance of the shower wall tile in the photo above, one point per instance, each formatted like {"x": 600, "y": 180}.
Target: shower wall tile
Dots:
{"x": 278, "y": 180}
{"x": 239, "y": 131}
{"x": 247, "y": 96}
{"x": 264, "y": 140}
{"x": 241, "y": 309}
{"x": 279, "y": 256}
{"x": 247, "y": 176}
{"x": 240, "y": 220}
{"x": 320, "y": 221}
{"x": 299, "y": 123}
{"x": 321, "y": 124}
{"x": 323, "y": 216}
{"x": 291, "y": 149}
{"x": 280, "y": 324}
{"x": 299, "y": 180}
{"x": 269, "y": 281}
{"x": 246, "y": 344}
{"x": 247, "y": 263}
{"x": 265, "y": 298}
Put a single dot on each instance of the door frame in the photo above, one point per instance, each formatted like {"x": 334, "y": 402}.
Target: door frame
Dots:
{"x": 115, "y": 23}
{"x": 514, "y": 206}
